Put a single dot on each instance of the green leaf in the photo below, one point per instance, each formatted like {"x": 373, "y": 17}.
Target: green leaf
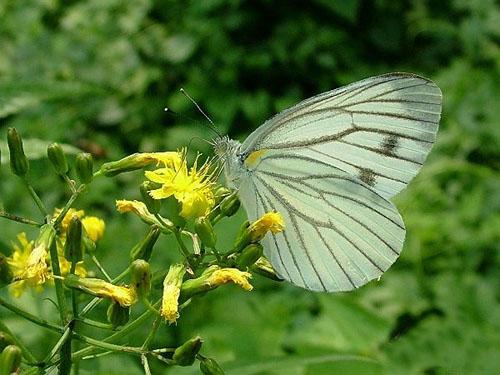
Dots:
{"x": 342, "y": 325}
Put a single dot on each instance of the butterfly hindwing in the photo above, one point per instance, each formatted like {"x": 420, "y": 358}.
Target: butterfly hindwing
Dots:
{"x": 339, "y": 234}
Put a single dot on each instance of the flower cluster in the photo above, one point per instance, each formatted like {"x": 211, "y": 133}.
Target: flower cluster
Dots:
{"x": 30, "y": 260}
{"x": 180, "y": 201}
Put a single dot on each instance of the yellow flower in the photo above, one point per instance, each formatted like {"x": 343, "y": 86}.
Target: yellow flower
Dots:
{"x": 213, "y": 277}
{"x": 271, "y": 221}
{"x": 67, "y": 218}
{"x": 17, "y": 262}
{"x": 230, "y": 275}
{"x": 171, "y": 292}
{"x": 122, "y": 295}
{"x": 94, "y": 227}
{"x": 29, "y": 261}
{"x": 192, "y": 187}
{"x": 137, "y": 207}
{"x": 140, "y": 209}
{"x": 65, "y": 266}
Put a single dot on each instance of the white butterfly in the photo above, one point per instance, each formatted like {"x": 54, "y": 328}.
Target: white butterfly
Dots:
{"x": 329, "y": 165}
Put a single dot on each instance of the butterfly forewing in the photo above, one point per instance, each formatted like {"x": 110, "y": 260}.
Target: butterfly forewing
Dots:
{"x": 379, "y": 129}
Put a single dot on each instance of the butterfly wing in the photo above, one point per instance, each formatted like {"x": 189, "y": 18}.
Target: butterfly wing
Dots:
{"x": 339, "y": 233}
{"x": 379, "y": 129}
{"x": 329, "y": 166}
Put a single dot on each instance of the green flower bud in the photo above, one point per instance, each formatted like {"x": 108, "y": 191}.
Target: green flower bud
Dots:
{"x": 221, "y": 193}
{"x": 5, "y": 340}
{"x": 140, "y": 277}
{"x": 88, "y": 245}
{"x": 264, "y": 268}
{"x": 117, "y": 315}
{"x": 208, "y": 366}
{"x": 57, "y": 158}
{"x": 249, "y": 255}
{"x": 126, "y": 164}
{"x": 73, "y": 246}
{"x": 243, "y": 237}
{"x": 5, "y": 271}
{"x": 153, "y": 205}
{"x": 84, "y": 165}
{"x": 185, "y": 354}
{"x": 18, "y": 161}
{"x": 10, "y": 360}
{"x": 144, "y": 248}
{"x": 230, "y": 205}
{"x": 205, "y": 231}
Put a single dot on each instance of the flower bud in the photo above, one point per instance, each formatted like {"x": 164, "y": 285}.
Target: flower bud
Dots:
{"x": 18, "y": 161}
{"x": 100, "y": 288}
{"x": 249, "y": 256}
{"x": 152, "y": 204}
{"x": 5, "y": 340}
{"x": 230, "y": 205}
{"x": 57, "y": 158}
{"x": 264, "y": 268}
{"x": 88, "y": 245}
{"x": 117, "y": 315}
{"x": 5, "y": 271}
{"x": 185, "y": 354}
{"x": 221, "y": 193}
{"x": 84, "y": 165}
{"x": 10, "y": 360}
{"x": 126, "y": 164}
{"x": 73, "y": 246}
{"x": 269, "y": 222}
{"x": 205, "y": 231}
{"x": 144, "y": 248}
{"x": 213, "y": 277}
{"x": 171, "y": 292}
{"x": 243, "y": 237}
{"x": 140, "y": 277}
{"x": 208, "y": 366}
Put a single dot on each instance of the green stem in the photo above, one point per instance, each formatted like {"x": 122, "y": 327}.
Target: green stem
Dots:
{"x": 150, "y": 306}
{"x": 26, "y": 352}
{"x": 70, "y": 183}
{"x": 145, "y": 364}
{"x": 101, "y": 268}
{"x": 56, "y": 270}
{"x": 30, "y": 317}
{"x": 20, "y": 219}
{"x": 182, "y": 245}
{"x": 95, "y": 323}
{"x": 58, "y": 345}
{"x": 107, "y": 345}
{"x": 123, "y": 332}
{"x": 36, "y": 198}
{"x": 152, "y": 332}
{"x": 68, "y": 205}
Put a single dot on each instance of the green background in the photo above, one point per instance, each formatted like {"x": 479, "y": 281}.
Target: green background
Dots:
{"x": 97, "y": 75}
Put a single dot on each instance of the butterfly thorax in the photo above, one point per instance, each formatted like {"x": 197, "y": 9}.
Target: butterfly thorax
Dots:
{"x": 228, "y": 152}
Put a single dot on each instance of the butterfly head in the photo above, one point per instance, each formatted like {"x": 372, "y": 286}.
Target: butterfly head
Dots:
{"x": 227, "y": 151}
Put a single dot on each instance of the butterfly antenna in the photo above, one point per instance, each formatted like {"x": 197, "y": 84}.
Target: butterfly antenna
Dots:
{"x": 211, "y": 123}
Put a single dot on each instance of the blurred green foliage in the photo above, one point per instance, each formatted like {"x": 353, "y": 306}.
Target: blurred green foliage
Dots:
{"x": 97, "y": 75}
